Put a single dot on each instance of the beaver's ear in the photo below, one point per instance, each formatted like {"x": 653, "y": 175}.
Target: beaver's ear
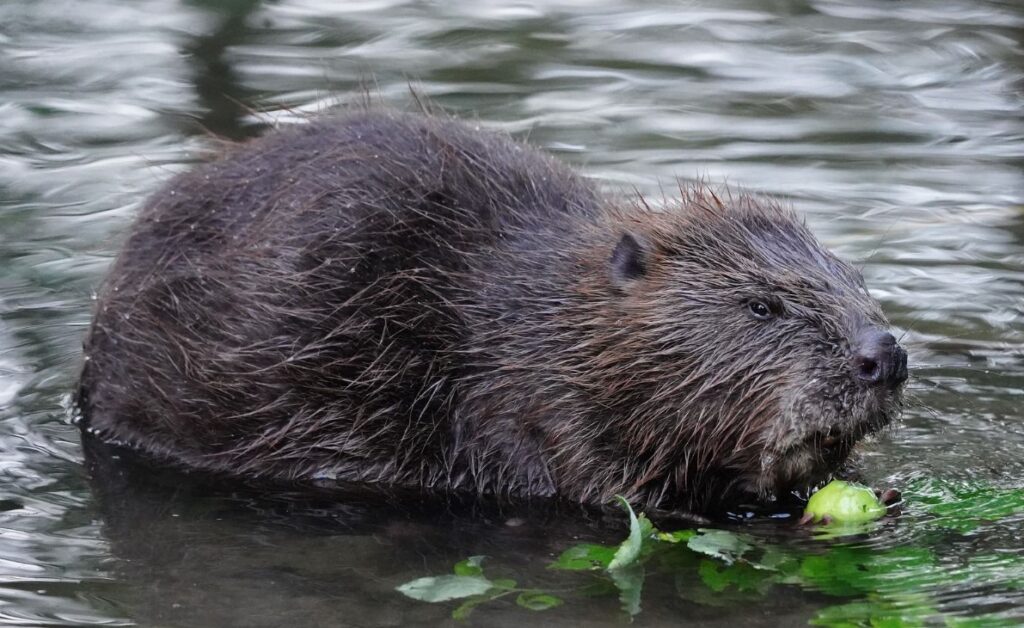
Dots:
{"x": 629, "y": 260}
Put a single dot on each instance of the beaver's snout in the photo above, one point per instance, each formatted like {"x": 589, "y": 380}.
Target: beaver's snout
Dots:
{"x": 878, "y": 360}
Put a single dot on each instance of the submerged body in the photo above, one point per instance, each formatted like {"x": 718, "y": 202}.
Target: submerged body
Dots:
{"x": 391, "y": 298}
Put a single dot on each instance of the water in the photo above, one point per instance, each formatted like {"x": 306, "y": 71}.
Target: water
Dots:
{"x": 896, "y": 126}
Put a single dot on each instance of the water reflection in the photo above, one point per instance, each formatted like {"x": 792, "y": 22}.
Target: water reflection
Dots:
{"x": 222, "y": 96}
{"x": 214, "y": 554}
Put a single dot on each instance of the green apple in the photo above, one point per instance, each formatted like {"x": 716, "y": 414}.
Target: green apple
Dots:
{"x": 843, "y": 502}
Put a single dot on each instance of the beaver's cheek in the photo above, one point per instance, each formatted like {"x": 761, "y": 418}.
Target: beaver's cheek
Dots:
{"x": 807, "y": 407}
{"x": 867, "y": 411}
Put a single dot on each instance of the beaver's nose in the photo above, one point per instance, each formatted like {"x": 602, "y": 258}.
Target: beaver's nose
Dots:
{"x": 878, "y": 360}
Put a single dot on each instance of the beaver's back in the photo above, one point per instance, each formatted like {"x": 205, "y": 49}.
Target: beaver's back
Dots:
{"x": 299, "y": 305}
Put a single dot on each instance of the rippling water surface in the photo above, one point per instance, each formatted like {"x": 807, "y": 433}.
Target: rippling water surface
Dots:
{"x": 897, "y": 126}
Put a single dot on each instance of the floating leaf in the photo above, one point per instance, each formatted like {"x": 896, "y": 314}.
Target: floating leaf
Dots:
{"x": 887, "y": 586}
{"x": 712, "y": 576}
{"x": 469, "y": 567}
{"x": 584, "y": 557}
{"x": 537, "y": 601}
{"x": 679, "y": 536}
{"x": 443, "y": 588}
{"x": 722, "y": 544}
{"x": 629, "y": 550}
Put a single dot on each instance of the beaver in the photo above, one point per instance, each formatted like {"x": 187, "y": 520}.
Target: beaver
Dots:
{"x": 388, "y": 297}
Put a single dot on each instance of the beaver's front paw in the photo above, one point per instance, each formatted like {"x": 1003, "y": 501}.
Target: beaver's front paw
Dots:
{"x": 891, "y": 498}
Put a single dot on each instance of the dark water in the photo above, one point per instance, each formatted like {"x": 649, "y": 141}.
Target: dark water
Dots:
{"x": 897, "y": 126}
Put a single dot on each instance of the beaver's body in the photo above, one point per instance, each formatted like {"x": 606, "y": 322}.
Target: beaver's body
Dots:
{"x": 384, "y": 297}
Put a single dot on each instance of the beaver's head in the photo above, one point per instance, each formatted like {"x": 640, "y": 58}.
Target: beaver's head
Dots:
{"x": 753, "y": 358}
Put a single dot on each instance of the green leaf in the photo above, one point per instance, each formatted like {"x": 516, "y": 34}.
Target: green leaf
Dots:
{"x": 537, "y": 601}
{"x": 469, "y": 567}
{"x": 679, "y": 536}
{"x": 506, "y": 584}
{"x": 584, "y": 557}
{"x": 722, "y": 544}
{"x": 629, "y": 550}
{"x": 444, "y": 588}
{"x": 712, "y": 576}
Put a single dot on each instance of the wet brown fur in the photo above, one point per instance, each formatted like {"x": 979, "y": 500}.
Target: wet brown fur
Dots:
{"x": 392, "y": 298}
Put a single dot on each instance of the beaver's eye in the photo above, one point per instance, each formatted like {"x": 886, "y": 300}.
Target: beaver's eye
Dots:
{"x": 760, "y": 310}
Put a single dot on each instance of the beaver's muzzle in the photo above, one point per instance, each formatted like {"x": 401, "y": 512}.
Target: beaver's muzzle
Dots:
{"x": 878, "y": 360}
